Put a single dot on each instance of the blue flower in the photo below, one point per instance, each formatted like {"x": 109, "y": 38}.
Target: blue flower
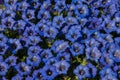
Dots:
{"x": 92, "y": 70}
{"x": 3, "y": 48}
{"x": 34, "y": 4}
{"x": 46, "y": 4}
{"x": 81, "y": 72}
{"x": 11, "y": 7}
{"x": 88, "y": 1}
{"x": 1, "y": 11}
{"x": 33, "y": 60}
{"x": 44, "y": 14}
{"x": 38, "y": 74}
{"x": 49, "y": 72}
{"x": 60, "y": 6}
{"x": 107, "y": 71}
{"x": 71, "y": 20}
{"x": 45, "y": 22}
{"x": 17, "y": 77}
{"x": 108, "y": 24}
{"x": 29, "y": 31}
{"x": 106, "y": 3}
{"x": 111, "y": 9}
{"x": 65, "y": 29}
{"x": 62, "y": 67}
{"x": 28, "y": 15}
{"x": 3, "y": 38}
{"x": 107, "y": 37}
{"x": 34, "y": 40}
{"x": 82, "y": 11}
{"x": 3, "y": 68}
{"x": 86, "y": 33}
{"x": 73, "y": 34}
{"x": 24, "y": 41}
{"x": 58, "y": 21}
{"x": 8, "y": 13}
{"x": 34, "y": 50}
{"x": 1, "y": 58}
{"x": 91, "y": 43}
{"x": 28, "y": 78}
{"x": 22, "y": 6}
{"x": 107, "y": 60}
{"x": 116, "y": 55}
{"x": 3, "y": 78}
{"x": 40, "y": 28}
{"x": 50, "y": 32}
{"x": 95, "y": 5}
{"x": 82, "y": 21}
{"x": 117, "y": 69}
{"x": 102, "y": 44}
{"x": 77, "y": 49}
{"x": 59, "y": 46}
{"x": 110, "y": 47}
{"x": 51, "y": 61}
{"x": 77, "y": 1}
{"x": 117, "y": 41}
{"x": 109, "y": 77}
{"x": 95, "y": 12}
{"x": 95, "y": 23}
{"x": 10, "y": 2}
{"x": 71, "y": 9}
{"x": 19, "y": 25}
{"x": 23, "y": 68}
{"x": 117, "y": 22}
{"x": 59, "y": 0}
{"x": 14, "y": 45}
{"x": 7, "y": 23}
{"x": 11, "y": 60}
{"x": 93, "y": 54}
{"x": 76, "y": 26}
{"x": 63, "y": 56}
{"x": 46, "y": 55}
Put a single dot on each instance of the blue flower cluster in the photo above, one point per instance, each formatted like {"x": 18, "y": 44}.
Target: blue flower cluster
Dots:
{"x": 60, "y": 40}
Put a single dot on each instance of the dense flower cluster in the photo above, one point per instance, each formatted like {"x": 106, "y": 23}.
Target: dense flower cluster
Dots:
{"x": 60, "y": 40}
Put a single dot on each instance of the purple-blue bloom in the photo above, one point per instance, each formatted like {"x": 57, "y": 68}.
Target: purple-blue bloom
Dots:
{"x": 3, "y": 48}
{"x": 17, "y": 77}
{"x": 33, "y": 60}
{"x": 81, "y": 71}
{"x": 77, "y": 49}
{"x": 49, "y": 72}
{"x": 93, "y": 54}
{"x": 3, "y": 68}
{"x": 7, "y": 23}
{"x": 38, "y": 74}
{"x": 33, "y": 50}
{"x": 62, "y": 67}
{"x": 23, "y": 68}
{"x": 46, "y": 55}
{"x": 11, "y": 60}
{"x": 14, "y": 45}
{"x": 59, "y": 46}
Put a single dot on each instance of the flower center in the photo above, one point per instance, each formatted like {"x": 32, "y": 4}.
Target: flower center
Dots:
{"x": 76, "y": 49}
{"x": 49, "y": 72}
{"x": 2, "y": 48}
{"x": 61, "y": 67}
{"x": 81, "y": 72}
{"x": 2, "y": 68}
{"x": 8, "y": 23}
{"x": 29, "y": 15}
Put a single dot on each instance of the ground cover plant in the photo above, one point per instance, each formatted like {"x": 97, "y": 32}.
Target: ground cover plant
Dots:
{"x": 60, "y": 40}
